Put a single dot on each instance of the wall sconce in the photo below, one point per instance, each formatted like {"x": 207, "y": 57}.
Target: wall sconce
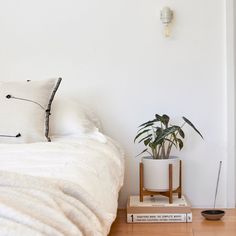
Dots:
{"x": 166, "y": 18}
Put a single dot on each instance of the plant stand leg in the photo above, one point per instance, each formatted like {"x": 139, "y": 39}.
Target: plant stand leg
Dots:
{"x": 170, "y": 184}
{"x": 141, "y": 182}
{"x": 143, "y": 192}
{"x": 180, "y": 180}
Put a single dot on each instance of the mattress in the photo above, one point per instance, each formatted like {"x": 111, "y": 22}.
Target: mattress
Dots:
{"x": 69, "y": 186}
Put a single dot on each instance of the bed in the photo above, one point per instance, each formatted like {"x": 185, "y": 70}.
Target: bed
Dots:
{"x": 68, "y": 186}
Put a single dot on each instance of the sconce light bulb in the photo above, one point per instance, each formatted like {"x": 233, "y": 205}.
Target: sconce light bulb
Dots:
{"x": 166, "y": 17}
{"x": 167, "y": 31}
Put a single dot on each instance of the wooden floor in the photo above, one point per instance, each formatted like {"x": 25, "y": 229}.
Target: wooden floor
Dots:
{"x": 199, "y": 226}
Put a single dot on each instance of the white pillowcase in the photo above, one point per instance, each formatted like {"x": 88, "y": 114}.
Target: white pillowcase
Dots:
{"x": 69, "y": 118}
{"x": 25, "y": 109}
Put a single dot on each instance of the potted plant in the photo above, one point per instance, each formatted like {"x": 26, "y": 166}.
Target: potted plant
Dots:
{"x": 159, "y": 137}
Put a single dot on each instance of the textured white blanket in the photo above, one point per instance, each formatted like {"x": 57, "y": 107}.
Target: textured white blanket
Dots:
{"x": 40, "y": 206}
{"x": 68, "y": 187}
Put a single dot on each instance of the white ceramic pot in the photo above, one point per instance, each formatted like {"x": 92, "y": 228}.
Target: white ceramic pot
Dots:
{"x": 156, "y": 173}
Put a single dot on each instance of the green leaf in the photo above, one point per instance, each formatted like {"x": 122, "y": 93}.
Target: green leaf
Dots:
{"x": 142, "y": 152}
{"x": 152, "y": 145}
{"x": 159, "y": 131}
{"x": 175, "y": 138}
{"x": 167, "y": 132}
{"x": 148, "y": 122}
{"x": 159, "y": 136}
{"x": 158, "y": 141}
{"x": 181, "y": 144}
{"x": 181, "y": 133}
{"x": 148, "y": 125}
{"x": 156, "y": 129}
{"x": 170, "y": 141}
{"x": 139, "y": 134}
{"x": 150, "y": 135}
{"x": 191, "y": 124}
{"x": 147, "y": 141}
{"x": 165, "y": 120}
{"x": 158, "y": 117}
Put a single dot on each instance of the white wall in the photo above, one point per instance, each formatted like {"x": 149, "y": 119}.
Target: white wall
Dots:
{"x": 230, "y": 75}
{"x": 112, "y": 56}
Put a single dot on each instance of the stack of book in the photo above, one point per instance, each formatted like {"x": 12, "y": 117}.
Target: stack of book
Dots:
{"x": 157, "y": 209}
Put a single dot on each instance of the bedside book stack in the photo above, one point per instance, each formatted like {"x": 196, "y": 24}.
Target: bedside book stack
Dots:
{"x": 157, "y": 209}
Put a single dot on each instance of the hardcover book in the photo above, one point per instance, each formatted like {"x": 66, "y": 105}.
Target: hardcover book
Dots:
{"x": 161, "y": 217}
{"x": 158, "y": 209}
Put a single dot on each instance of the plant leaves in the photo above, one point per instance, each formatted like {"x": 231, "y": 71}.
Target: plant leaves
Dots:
{"x": 175, "y": 138}
{"x": 170, "y": 141}
{"x": 165, "y": 120}
{"x": 139, "y": 134}
{"x": 159, "y": 139}
{"x": 145, "y": 138}
{"x": 166, "y": 132}
{"x": 148, "y": 122}
{"x": 191, "y": 124}
{"x": 147, "y": 125}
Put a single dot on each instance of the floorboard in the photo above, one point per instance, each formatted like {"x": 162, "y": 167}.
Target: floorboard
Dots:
{"x": 199, "y": 226}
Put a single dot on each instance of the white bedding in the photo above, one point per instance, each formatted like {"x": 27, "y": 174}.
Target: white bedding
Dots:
{"x": 65, "y": 175}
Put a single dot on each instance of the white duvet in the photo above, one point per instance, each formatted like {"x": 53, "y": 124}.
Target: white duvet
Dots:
{"x": 67, "y": 187}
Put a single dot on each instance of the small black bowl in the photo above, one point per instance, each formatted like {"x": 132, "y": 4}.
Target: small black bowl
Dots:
{"x": 213, "y": 214}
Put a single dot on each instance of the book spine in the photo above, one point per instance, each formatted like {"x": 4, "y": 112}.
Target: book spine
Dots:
{"x": 163, "y": 217}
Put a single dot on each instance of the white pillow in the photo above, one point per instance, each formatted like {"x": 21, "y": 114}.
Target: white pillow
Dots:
{"x": 71, "y": 118}
{"x": 25, "y": 109}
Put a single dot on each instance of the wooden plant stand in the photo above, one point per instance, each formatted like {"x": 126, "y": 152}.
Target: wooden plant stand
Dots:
{"x": 143, "y": 192}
